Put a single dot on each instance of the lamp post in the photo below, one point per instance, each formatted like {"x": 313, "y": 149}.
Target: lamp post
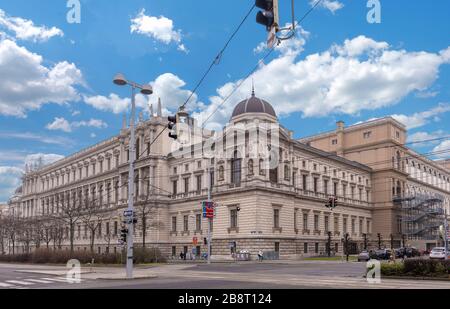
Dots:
{"x": 120, "y": 80}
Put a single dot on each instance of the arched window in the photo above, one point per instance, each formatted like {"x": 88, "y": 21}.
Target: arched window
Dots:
{"x": 236, "y": 165}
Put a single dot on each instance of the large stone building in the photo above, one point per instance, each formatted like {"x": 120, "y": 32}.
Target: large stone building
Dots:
{"x": 397, "y": 172}
{"x": 275, "y": 208}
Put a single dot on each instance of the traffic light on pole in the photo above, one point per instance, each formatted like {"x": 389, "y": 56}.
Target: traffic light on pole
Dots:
{"x": 172, "y": 127}
{"x": 123, "y": 234}
{"x": 269, "y": 15}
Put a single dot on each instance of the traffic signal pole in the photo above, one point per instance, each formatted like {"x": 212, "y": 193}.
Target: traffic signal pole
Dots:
{"x": 446, "y": 234}
{"x": 132, "y": 151}
{"x": 209, "y": 219}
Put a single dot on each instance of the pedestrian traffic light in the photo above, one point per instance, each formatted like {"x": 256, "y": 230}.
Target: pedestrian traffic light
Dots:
{"x": 205, "y": 241}
{"x": 123, "y": 234}
{"x": 269, "y": 16}
{"x": 172, "y": 127}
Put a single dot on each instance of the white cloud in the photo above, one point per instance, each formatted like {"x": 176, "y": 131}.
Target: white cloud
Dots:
{"x": 159, "y": 28}
{"x": 59, "y": 124}
{"x": 51, "y": 140}
{"x": 331, "y": 5}
{"x": 46, "y": 159}
{"x": 26, "y": 30}
{"x": 27, "y": 84}
{"x": 10, "y": 179}
{"x": 114, "y": 103}
{"x": 11, "y": 176}
{"x": 64, "y": 125}
{"x": 427, "y": 94}
{"x": 168, "y": 87}
{"x": 442, "y": 151}
{"x": 430, "y": 138}
{"x": 361, "y": 74}
{"x": 420, "y": 119}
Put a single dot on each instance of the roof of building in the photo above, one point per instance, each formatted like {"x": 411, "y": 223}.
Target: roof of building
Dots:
{"x": 254, "y": 105}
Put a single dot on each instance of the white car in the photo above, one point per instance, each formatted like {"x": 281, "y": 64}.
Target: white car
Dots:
{"x": 438, "y": 253}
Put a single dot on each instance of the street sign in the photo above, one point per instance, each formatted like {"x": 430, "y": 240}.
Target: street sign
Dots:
{"x": 195, "y": 241}
{"x": 128, "y": 213}
{"x": 208, "y": 210}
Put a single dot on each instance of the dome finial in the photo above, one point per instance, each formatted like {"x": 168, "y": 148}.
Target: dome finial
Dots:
{"x": 253, "y": 88}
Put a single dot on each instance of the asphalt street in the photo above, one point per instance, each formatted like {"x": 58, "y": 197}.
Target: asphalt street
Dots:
{"x": 294, "y": 275}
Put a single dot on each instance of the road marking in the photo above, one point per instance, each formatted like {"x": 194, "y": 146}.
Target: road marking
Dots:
{"x": 39, "y": 281}
{"x": 57, "y": 279}
{"x": 5, "y": 285}
{"x": 19, "y": 282}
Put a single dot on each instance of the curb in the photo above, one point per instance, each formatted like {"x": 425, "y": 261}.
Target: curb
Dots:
{"x": 416, "y": 278}
{"x": 126, "y": 279}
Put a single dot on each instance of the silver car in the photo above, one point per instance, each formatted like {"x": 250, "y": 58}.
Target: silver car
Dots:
{"x": 364, "y": 256}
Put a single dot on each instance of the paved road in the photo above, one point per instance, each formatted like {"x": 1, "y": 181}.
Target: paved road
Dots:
{"x": 298, "y": 275}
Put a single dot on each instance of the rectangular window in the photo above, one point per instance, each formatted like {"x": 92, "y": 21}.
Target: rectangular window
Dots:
{"x": 360, "y": 227}
{"x": 325, "y": 187}
{"x": 174, "y": 224}
{"x": 198, "y": 222}
{"x": 276, "y": 218}
{"x": 327, "y": 224}
{"x": 277, "y": 247}
{"x": 336, "y": 224}
{"x": 174, "y": 251}
{"x": 115, "y": 228}
{"x": 353, "y": 226}
{"x": 315, "y": 184}
{"x": 367, "y": 135}
{"x": 107, "y": 228}
{"x": 305, "y": 221}
{"x": 316, "y": 222}
{"x": 186, "y": 185}
{"x": 334, "y": 142}
{"x": 305, "y": 179}
{"x": 199, "y": 184}
{"x": 316, "y": 248}
{"x": 174, "y": 187}
{"x": 344, "y": 224}
{"x": 335, "y": 189}
{"x": 186, "y": 223}
{"x": 233, "y": 218}
{"x": 305, "y": 247}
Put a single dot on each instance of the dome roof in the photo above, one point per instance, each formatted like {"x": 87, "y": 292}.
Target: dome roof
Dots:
{"x": 254, "y": 105}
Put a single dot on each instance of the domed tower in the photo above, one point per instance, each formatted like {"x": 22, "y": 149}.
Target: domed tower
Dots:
{"x": 253, "y": 108}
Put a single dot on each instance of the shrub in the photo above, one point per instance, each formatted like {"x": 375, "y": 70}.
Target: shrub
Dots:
{"x": 48, "y": 256}
{"x": 422, "y": 267}
{"x": 394, "y": 269}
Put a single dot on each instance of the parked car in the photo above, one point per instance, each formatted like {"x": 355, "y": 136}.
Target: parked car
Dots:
{"x": 381, "y": 254}
{"x": 438, "y": 253}
{"x": 364, "y": 256}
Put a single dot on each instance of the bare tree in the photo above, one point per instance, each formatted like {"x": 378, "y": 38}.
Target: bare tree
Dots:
{"x": 70, "y": 214}
{"x": 93, "y": 216}
{"x": 3, "y": 235}
{"x": 11, "y": 225}
{"x": 47, "y": 231}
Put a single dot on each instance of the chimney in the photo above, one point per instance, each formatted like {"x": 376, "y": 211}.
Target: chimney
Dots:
{"x": 340, "y": 125}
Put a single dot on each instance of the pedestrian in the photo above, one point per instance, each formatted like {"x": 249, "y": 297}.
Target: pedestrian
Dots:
{"x": 260, "y": 256}
{"x": 181, "y": 255}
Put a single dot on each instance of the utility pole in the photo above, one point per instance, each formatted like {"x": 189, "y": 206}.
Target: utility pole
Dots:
{"x": 329, "y": 244}
{"x": 446, "y": 234}
{"x": 120, "y": 80}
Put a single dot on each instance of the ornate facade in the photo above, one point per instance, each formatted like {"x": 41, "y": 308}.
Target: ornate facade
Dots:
{"x": 275, "y": 209}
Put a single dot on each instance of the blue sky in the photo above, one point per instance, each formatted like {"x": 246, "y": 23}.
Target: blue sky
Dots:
{"x": 57, "y": 96}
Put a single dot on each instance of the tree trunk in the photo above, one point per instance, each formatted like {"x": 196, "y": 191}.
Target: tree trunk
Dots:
{"x": 144, "y": 229}
{"x": 72, "y": 231}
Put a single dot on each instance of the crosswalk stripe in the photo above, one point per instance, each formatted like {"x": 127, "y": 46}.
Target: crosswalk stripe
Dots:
{"x": 19, "y": 282}
{"x": 5, "y": 285}
{"x": 39, "y": 281}
{"x": 57, "y": 279}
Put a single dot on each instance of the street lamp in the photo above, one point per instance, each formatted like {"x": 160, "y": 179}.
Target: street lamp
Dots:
{"x": 146, "y": 89}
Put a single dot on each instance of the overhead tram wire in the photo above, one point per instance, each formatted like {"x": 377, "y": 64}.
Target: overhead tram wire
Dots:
{"x": 269, "y": 52}
{"x": 214, "y": 62}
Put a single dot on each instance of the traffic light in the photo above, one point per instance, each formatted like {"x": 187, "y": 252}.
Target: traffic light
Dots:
{"x": 205, "y": 241}
{"x": 172, "y": 127}
{"x": 332, "y": 203}
{"x": 123, "y": 234}
{"x": 269, "y": 16}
